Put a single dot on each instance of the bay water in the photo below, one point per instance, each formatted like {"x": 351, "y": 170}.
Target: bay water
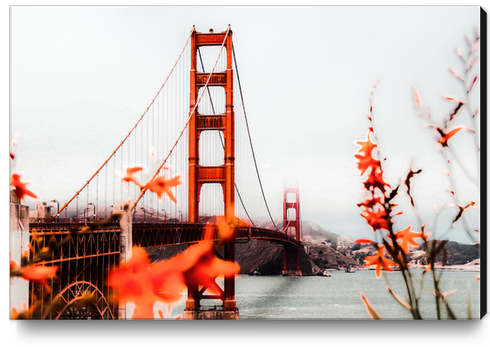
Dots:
{"x": 338, "y": 297}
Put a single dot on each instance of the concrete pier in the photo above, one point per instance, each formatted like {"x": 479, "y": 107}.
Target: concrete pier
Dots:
{"x": 292, "y": 273}
{"x": 42, "y": 213}
{"x": 19, "y": 240}
{"x": 211, "y": 314}
{"x": 126, "y": 224}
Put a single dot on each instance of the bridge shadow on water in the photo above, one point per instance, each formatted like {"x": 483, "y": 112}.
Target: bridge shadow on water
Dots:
{"x": 242, "y": 332}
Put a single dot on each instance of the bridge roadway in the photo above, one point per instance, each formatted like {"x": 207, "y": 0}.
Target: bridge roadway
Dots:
{"x": 166, "y": 234}
{"x": 84, "y": 261}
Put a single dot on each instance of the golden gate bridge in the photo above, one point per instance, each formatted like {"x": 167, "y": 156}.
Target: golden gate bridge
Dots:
{"x": 193, "y": 130}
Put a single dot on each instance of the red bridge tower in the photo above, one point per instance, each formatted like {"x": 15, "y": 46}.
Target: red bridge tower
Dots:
{"x": 223, "y": 174}
{"x": 292, "y": 228}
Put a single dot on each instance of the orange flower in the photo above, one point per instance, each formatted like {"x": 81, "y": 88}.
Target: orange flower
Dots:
{"x": 370, "y": 203}
{"x": 160, "y": 313}
{"x": 380, "y": 261}
{"x": 135, "y": 282}
{"x": 130, "y": 171}
{"x": 39, "y": 273}
{"x": 407, "y": 236}
{"x": 199, "y": 264}
{"x": 203, "y": 266}
{"x": 377, "y": 220}
{"x": 375, "y": 180}
{"x": 161, "y": 186}
{"x": 227, "y": 226}
{"x": 366, "y": 162}
{"x": 20, "y": 189}
{"x": 133, "y": 170}
{"x": 453, "y": 98}
{"x": 13, "y": 265}
{"x": 364, "y": 241}
{"x": 418, "y": 99}
{"x": 145, "y": 284}
{"x": 366, "y": 146}
{"x": 14, "y": 314}
{"x": 14, "y": 145}
{"x": 26, "y": 313}
{"x": 446, "y": 136}
{"x": 365, "y": 155}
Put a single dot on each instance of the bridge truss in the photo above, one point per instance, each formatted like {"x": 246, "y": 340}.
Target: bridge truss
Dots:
{"x": 79, "y": 290}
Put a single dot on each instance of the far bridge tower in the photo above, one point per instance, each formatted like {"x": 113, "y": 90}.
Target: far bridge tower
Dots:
{"x": 292, "y": 227}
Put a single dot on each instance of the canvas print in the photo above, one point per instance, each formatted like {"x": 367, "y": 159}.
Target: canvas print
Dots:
{"x": 247, "y": 163}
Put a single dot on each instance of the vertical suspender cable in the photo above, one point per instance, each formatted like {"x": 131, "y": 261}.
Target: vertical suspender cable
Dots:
{"x": 142, "y": 157}
{"x": 96, "y": 196}
{"x": 157, "y": 147}
{"x": 88, "y": 190}
{"x": 145, "y": 205}
{"x": 122, "y": 168}
{"x": 222, "y": 142}
{"x": 105, "y": 200}
{"x": 175, "y": 97}
{"x": 144, "y": 113}
{"x": 114, "y": 183}
{"x": 250, "y": 139}
{"x": 129, "y": 163}
{"x": 143, "y": 191}
{"x": 178, "y": 117}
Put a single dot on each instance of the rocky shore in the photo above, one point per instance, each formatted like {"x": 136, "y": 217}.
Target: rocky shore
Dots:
{"x": 323, "y": 251}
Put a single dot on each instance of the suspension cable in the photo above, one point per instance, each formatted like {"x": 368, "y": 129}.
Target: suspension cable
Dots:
{"x": 122, "y": 142}
{"x": 250, "y": 139}
{"x": 143, "y": 190}
{"x": 223, "y": 144}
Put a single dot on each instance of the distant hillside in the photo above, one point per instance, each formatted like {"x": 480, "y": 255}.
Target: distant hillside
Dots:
{"x": 460, "y": 253}
{"x": 322, "y": 250}
{"x": 457, "y": 253}
{"x": 255, "y": 256}
{"x": 266, "y": 258}
{"x": 325, "y": 257}
{"x": 315, "y": 234}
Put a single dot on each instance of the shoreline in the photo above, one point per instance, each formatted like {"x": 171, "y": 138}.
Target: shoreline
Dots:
{"x": 466, "y": 268}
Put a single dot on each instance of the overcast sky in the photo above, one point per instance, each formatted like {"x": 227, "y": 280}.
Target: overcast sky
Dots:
{"x": 318, "y": 66}
{"x": 81, "y": 77}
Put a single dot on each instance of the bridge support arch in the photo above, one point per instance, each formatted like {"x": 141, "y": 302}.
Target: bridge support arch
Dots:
{"x": 292, "y": 228}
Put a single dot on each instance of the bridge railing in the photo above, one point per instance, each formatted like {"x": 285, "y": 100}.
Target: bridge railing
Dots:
{"x": 66, "y": 225}
{"x": 265, "y": 234}
{"x": 165, "y": 234}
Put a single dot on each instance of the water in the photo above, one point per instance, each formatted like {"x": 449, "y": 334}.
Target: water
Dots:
{"x": 337, "y": 297}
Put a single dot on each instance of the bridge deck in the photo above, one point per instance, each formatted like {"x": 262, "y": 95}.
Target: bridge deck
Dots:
{"x": 166, "y": 234}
